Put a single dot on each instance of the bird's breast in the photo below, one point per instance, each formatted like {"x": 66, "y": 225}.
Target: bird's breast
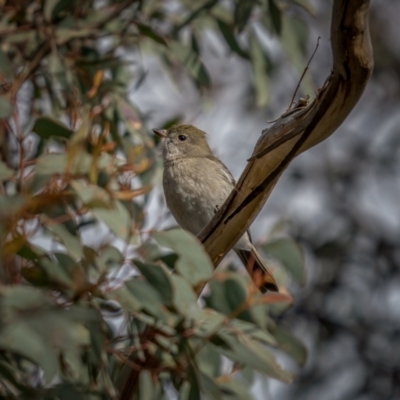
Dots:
{"x": 194, "y": 189}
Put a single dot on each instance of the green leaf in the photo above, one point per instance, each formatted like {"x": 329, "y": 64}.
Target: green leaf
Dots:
{"x": 252, "y": 330}
{"x": 227, "y": 295}
{"x": 242, "y": 13}
{"x": 208, "y": 386}
{"x": 22, "y": 339}
{"x": 71, "y": 242}
{"x": 30, "y": 252}
{"x": 21, "y": 297}
{"x": 66, "y": 34}
{"x": 196, "y": 13}
{"x": 92, "y": 196}
{"x": 5, "y": 172}
{"x": 149, "y": 32}
{"x": 57, "y": 164}
{"x": 260, "y": 77}
{"x": 192, "y": 62}
{"x": 234, "y": 390}
{"x": 289, "y": 254}
{"x": 160, "y": 278}
{"x": 110, "y": 257}
{"x": 195, "y": 390}
{"x": 208, "y": 322}
{"x": 5, "y": 107}
{"x": 184, "y": 391}
{"x": 290, "y": 344}
{"x": 51, "y": 164}
{"x": 276, "y": 16}
{"x": 116, "y": 218}
{"x": 194, "y": 264}
{"x": 48, "y": 8}
{"x": 62, "y": 5}
{"x": 34, "y": 327}
{"x": 248, "y": 351}
{"x": 73, "y": 269}
{"x": 208, "y": 361}
{"x": 46, "y": 128}
{"x": 149, "y": 297}
{"x": 5, "y": 66}
{"x": 184, "y": 298}
{"x": 125, "y": 298}
{"x": 229, "y": 36}
{"x": 146, "y": 386}
{"x": 196, "y": 48}
{"x": 56, "y": 273}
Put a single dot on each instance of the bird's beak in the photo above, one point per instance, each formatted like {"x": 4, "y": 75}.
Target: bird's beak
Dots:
{"x": 160, "y": 132}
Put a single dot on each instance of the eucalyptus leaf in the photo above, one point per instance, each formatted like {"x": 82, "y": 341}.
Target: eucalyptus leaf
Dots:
{"x": 146, "y": 387}
{"x": 5, "y": 66}
{"x": 92, "y": 196}
{"x": 47, "y": 127}
{"x": 194, "y": 263}
{"x": 260, "y": 77}
{"x": 22, "y": 339}
{"x": 116, "y": 218}
{"x": 229, "y": 36}
{"x": 242, "y": 13}
{"x": 5, "y": 107}
{"x": 208, "y": 361}
{"x": 125, "y": 298}
{"x": 159, "y": 277}
{"x": 248, "y": 351}
{"x": 192, "y": 62}
{"x": 184, "y": 298}
{"x": 5, "y": 172}
{"x": 71, "y": 242}
{"x": 149, "y": 297}
{"x": 58, "y": 164}
{"x": 146, "y": 30}
{"x": 290, "y": 255}
{"x": 275, "y": 15}
{"x": 234, "y": 390}
{"x": 290, "y": 344}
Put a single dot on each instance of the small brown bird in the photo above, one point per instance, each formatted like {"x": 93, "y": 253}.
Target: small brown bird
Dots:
{"x": 196, "y": 184}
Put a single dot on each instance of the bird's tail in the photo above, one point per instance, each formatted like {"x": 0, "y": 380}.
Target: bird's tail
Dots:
{"x": 257, "y": 269}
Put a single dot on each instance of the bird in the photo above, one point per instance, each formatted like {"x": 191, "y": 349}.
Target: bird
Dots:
{"x": 196, "y": 184}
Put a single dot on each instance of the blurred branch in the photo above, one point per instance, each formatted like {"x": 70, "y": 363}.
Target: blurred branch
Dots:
{"x": 45, "y": 47}
{"x": 288, "y": 137}
{"x": 294, "y": 133}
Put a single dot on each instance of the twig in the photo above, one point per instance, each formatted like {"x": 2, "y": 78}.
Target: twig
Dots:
{"x": 303, "y": 74}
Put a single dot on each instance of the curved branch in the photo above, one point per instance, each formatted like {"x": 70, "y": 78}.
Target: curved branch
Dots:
{"x": 299, "y": 131}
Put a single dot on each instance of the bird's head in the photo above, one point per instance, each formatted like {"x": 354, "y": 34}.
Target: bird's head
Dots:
{"x": 182, "y": 141}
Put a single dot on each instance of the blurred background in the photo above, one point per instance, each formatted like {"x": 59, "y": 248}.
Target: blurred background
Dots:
{"x": 340, "y": 200}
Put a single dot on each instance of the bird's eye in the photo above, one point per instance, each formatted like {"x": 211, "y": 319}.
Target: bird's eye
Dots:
{"x": 182, "y": 138}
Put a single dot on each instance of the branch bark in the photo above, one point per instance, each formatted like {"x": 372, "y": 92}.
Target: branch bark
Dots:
{"x": 290, "y": 136}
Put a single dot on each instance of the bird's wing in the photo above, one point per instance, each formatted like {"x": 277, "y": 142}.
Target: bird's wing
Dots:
{"x": 224, "y": 171}
{"x": 226, "y": 174}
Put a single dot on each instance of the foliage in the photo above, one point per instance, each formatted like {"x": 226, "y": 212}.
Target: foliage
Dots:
{"x": 73, "y": 207}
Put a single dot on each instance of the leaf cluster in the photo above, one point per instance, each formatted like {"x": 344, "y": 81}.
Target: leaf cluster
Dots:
{"x": 73, "y": 207}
